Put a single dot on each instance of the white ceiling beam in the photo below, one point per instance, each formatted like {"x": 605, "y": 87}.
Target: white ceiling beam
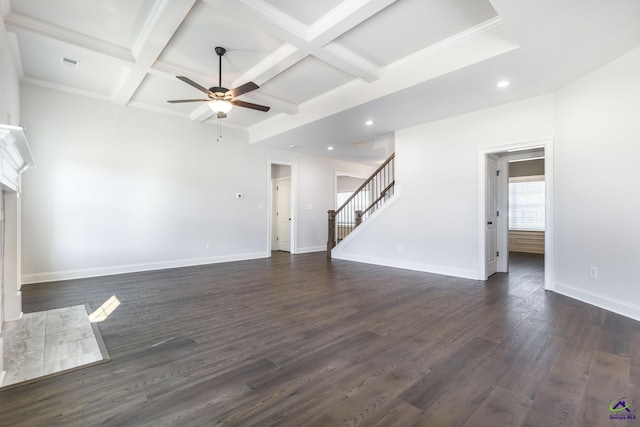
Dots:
{"x": 289, "y": 30}
{"x": 280, "y": 60}
{"x": 16, "y": 22}
{"x": 276, "y": 104}
{"x": 127, "y": 84}
{"x": 343, "y": 18}
{"x": 158, "y": 30}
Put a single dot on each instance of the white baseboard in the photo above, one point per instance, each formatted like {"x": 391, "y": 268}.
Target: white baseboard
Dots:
{"x": 312, "y": 249}
{"x": 603, "y": 301}
{"x": 133, "y": 268}
{"x": 409, "y": 265}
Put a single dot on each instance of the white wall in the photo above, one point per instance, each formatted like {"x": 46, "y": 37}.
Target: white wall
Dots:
{"x": 595, "y": 125}
{"x": 597, "y": 186}
{"x": 433, "y": 223}
{"x": 122, "y": 189}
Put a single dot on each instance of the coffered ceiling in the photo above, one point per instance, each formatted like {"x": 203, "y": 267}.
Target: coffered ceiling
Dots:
{"x": 324, "y": 68}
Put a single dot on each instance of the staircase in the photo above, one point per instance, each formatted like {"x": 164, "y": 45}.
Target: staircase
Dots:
{"x": 371, "y": 195}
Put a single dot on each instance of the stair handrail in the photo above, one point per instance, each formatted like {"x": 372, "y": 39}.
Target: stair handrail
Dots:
{"x": 364, "y": 184}
{"x": 332, "y": 214}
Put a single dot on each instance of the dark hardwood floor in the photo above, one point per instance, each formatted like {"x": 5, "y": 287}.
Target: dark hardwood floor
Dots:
{"x": 302, "y": 341}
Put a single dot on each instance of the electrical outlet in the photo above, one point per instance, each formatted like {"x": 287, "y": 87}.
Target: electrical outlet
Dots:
{"x": 400, "y": 248}
{"x": 593, "y": 272}
{"x": 209, "y": 246}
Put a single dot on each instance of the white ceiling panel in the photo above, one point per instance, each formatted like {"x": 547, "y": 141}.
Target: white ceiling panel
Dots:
{"x": 192, "y": 47}
{"x": 114, "y": 21}
{"x": 291, "y": 87}
{"x": 306, "y": 12}
{"x": 412, "y": 25}
{"x": 157, "y": 90}
{"x": 43, "y": 61}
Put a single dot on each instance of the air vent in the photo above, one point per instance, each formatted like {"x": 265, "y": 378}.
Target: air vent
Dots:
{"x": 68, "y": 62}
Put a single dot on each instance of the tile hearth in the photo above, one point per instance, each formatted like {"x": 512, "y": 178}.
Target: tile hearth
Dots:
{"x": 48, "y": 343}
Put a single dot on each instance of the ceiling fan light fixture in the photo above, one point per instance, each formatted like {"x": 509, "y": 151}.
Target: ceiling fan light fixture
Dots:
{"x": 220, "y": 106}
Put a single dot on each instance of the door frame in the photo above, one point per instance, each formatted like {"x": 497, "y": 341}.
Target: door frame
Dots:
{"x": 547, "y": 146}
{"x": 294, "y": 204}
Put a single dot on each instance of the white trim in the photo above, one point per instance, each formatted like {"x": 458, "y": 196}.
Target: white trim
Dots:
{"x": 503, "y": 199}
{"x": 311, "y": 249}
{"x": 294, "y": 204}
{"x": 134, "y": 268}
{"x": 409, "y": 265}
{"x": 482, "y": 171}
{"x": 605, "y": 302}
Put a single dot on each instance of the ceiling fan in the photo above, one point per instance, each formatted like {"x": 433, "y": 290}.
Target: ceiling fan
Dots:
{"x": 221, "y": 99}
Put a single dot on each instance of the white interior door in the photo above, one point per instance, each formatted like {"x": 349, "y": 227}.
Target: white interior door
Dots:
{"x": 283, "y": 214}
{"x": 491, "y": 216}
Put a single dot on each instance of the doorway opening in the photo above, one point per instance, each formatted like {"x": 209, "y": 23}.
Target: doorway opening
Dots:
{"x": 281, "y": 226}
{"x": 515, "y": 188}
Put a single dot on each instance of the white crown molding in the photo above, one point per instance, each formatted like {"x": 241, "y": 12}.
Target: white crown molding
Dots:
{"x": 475, "y": 31}
{"x": 17, "y": 22}
{"x": 15, "y": 54}
{"x": 63, "y": 88}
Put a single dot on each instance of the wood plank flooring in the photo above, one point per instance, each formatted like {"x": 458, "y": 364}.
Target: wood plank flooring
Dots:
{"x": 302, "y": 341}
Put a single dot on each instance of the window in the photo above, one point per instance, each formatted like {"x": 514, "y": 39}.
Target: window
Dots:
{"x": 526, "y": 203}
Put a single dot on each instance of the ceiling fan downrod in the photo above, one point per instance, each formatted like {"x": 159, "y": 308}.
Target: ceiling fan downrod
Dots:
{"x": 220, "y": 51}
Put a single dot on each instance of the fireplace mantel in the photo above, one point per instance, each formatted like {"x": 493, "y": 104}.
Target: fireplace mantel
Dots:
{"x": 15, "y": 156}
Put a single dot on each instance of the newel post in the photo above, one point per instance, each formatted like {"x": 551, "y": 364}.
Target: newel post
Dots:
{"x": 331, "y": 240}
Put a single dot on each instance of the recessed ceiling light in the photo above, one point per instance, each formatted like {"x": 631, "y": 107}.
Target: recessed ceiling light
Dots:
{"x": 292, "y": 147}
{"x": 329, "y": 148}
{"x": 368, "y": 122}
{"x": 503, "y": 83}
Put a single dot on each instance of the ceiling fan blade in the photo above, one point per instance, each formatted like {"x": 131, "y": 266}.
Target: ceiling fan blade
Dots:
{"x": 250, "y": 105}
{"x": 242, "y": 89}
{"x": 188, "y": 81}
{"x": 176, "y": 101}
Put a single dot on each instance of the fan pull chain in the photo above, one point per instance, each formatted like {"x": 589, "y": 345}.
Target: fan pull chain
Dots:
{"x": 219, "y": 132}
